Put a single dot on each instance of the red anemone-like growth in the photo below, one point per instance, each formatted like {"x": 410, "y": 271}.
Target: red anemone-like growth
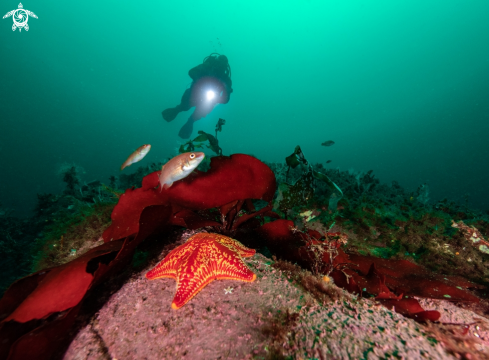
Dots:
{"x": 37, "y": 311}
{"x": 234, "y": 178}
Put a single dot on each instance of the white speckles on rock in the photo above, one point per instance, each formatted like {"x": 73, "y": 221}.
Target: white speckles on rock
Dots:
{"x": 137, "y": 322}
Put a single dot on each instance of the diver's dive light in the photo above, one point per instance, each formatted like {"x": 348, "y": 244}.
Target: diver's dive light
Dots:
{"x": 210, "y": 95}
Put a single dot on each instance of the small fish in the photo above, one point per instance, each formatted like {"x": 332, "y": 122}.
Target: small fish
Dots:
{"x": 179, "y": 167}
{"x": 328, "y": 143}
{"x": 136, "y": 156}
{"x": 327, "y": 162}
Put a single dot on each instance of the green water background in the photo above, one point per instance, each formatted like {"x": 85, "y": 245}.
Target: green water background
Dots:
{"x": 402, "y": 87}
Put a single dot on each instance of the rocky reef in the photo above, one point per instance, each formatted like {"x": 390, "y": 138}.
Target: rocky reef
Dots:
{"x": 332, "y": 246}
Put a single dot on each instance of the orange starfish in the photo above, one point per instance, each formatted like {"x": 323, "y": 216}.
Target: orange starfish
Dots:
{"x": 203, "y": 258}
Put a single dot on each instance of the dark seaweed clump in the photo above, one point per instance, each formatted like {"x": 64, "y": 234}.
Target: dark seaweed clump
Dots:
{"x": 385, "y": 220}
{"x": 64, "y": 225}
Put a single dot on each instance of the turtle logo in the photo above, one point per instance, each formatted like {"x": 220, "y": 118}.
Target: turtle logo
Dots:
{"x": 20, "y": 17}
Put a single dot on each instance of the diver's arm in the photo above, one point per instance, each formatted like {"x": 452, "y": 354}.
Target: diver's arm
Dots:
{"x": 227, "y": 90}
{"x": 224, "y": 98}
{"x": 197, "y": 72}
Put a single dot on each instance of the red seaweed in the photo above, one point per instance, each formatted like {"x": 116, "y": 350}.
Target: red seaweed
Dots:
{"x": 392, "y": 282}
{"x": 37, "y": 311}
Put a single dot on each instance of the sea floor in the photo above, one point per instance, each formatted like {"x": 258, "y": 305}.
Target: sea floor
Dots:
{"x": 271, "y": 318}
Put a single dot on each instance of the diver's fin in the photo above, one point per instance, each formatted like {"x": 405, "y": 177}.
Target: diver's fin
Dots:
{"x": 170, "y": 114}
{"x": 186, "y": 130}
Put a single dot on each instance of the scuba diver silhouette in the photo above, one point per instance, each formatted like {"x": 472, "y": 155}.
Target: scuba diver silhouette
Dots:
{"x": 211, "y": 85}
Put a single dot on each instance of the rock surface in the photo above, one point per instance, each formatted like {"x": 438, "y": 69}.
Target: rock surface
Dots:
{"x": 270, "y": 317}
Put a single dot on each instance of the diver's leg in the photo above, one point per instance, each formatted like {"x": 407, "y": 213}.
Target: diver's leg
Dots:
{"x": 171, "y": 113}
{"x": 186, "y": 130}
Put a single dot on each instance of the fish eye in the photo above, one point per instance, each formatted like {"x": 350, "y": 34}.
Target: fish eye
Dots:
{"x": 192, "y": 155}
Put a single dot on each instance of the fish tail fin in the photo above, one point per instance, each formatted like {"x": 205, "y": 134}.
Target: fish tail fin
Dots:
{"x": 166, "y": 185}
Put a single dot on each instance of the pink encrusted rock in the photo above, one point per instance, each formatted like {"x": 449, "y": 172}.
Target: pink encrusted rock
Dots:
{"x": 137, "y": 322}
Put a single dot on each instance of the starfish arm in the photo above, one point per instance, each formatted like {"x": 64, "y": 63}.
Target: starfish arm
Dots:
{"x": 160, "y": 272}
{"x": 194, "y": 274}
{"x": 167, "y": 268}
{"x": 234, "y": 245}
{"x": 189, "y": 286}
{"x": 229, "y": 265}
